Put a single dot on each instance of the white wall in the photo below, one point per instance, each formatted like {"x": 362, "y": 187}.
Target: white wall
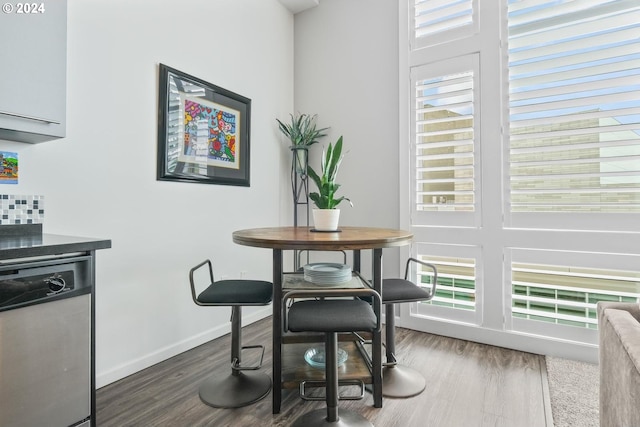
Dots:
{"x": 346, "y": 71}
{"x": 100, "y": 180}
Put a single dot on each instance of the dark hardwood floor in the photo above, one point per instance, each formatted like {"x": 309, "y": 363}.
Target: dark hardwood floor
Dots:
{"x": 468, "y": 385}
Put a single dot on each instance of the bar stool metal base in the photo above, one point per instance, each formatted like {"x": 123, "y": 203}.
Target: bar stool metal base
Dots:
{"x": 235, "y": 390}
{"x": 318, "y": 418}
{"x": 402, "y": 381}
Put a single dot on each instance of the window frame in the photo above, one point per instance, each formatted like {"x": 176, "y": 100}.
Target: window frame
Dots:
{"x": 465, "y": 63}
{"x": 497, "y": 233}
{"x": 588, "y": 221}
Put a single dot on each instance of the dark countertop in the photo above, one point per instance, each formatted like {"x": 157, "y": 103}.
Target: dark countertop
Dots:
{"x": 23, "y": 246}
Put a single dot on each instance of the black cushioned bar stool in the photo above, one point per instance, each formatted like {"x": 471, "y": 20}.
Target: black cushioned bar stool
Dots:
{"x": 399, "y": 380}
{"x": 331, "y": 316}
{"x": 242, "y": 385}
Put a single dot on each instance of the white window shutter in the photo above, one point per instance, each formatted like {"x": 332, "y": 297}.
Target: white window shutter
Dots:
{"x": 574, "y": 106}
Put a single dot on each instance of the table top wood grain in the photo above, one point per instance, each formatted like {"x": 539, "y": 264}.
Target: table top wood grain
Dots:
{"x": 348, "y": 238}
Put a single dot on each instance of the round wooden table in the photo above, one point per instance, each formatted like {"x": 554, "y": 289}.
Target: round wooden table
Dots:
{"x": 304, "y": 238}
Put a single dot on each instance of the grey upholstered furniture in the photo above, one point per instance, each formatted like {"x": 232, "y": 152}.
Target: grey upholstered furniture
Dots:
{"x": 399, "y": 380}
{"x": 619, "y": 330}
{"x": 238, "y": 386}
{"x": 330, "y": 316}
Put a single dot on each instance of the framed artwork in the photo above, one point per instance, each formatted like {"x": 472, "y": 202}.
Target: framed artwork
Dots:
{"x": 203, "y": 131}
{"x": 8, "y": 167}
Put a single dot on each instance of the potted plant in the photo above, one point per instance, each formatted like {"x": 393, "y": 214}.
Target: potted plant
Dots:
{"x": 302, "y": 133}
{"x": 326, "y": 216}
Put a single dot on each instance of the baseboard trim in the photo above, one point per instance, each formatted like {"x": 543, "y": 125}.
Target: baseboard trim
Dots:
{"x": 125, "y": 369}
{"x": 520, "y": 341}
{"x": 546, "y": 395}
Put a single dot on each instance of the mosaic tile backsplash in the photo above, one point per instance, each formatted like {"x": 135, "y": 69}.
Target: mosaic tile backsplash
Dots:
{"x": 18, "y": 209}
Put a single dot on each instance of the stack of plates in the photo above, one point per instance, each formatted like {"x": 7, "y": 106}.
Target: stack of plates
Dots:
{"x": 323, "y": 273}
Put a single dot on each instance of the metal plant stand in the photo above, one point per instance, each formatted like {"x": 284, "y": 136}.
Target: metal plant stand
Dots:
{"x": 300, "y": 190}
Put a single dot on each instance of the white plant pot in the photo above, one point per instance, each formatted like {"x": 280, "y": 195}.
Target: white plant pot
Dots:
{"x": 326, "y": 219}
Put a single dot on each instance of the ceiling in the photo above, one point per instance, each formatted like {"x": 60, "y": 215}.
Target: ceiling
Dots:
{"x": 296, "y": 6}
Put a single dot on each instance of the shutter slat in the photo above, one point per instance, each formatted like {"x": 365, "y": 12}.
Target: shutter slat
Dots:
{"x": 559, "y": 120}
{"x": 601, "y": 71}
{"x": 591, "y": 102}
{"x": 462, "y": 107}
{"x": 584, "y": 146}
{"x": 450, "y": 119}
{"x": 445, "y": 156}
{"x": 553, "y": 163}
{"x": 579, "y": 88}
{"x": 563, "y": 177}
{"x": 451, "y": 132}
{"x": 454, "y": 94}
{"x": 456, "y": 143}
{"x": 436, "y": 16}
{"x": 582, "y": 132}
{"x": 435, "y": 84}
{"x": 425, "y": 5}
{"x": 546, "y": 60}
{"x": 421, "y": 170}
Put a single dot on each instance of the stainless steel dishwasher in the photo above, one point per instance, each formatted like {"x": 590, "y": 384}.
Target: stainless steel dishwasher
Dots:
{"x": 45, "y": 342}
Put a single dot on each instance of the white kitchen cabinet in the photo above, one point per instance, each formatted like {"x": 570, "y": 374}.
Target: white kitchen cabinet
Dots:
{"x": 33, "y": 68}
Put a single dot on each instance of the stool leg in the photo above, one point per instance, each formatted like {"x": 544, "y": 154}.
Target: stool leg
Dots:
{"x": 238, "y": 388}
{"x": 398, "y": 380}
{"x": 390, "y": 332}
{"x": 331, "y": 374}
{"x": 236, "y": 335}
{"x": 330, "y": 416}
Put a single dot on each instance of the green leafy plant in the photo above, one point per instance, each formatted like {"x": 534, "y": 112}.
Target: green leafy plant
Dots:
{"x": 302, "y": 130}
{"x": 326, "y": 198}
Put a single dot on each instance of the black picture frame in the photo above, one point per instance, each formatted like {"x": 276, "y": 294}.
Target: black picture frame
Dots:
{"x": 203, "y": 131}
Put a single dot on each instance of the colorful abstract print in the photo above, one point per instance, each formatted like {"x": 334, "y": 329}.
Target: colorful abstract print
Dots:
{"x": 218, "y": 127}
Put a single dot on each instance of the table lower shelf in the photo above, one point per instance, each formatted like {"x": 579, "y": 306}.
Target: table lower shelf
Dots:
{"x": 295, "y": 369}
